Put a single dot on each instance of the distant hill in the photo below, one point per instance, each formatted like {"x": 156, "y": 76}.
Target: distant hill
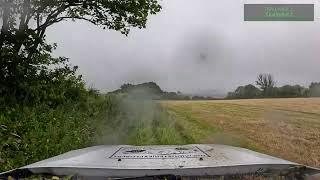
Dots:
{"x": 151, "y": 90}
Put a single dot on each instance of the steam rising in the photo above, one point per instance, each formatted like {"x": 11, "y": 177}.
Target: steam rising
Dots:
{"x": 139, "y": 121}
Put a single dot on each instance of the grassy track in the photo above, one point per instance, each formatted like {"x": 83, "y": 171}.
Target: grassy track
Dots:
{"x": 287, "y": 128}
{"x": 139, "y": 122}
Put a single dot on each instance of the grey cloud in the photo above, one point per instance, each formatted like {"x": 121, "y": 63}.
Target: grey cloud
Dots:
{"x": 191, "y": 46}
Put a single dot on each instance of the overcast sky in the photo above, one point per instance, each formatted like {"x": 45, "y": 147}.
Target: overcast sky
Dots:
{"x": 194, "y": 45}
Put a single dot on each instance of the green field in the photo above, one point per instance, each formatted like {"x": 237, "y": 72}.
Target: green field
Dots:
{"x": 286, "y": 128}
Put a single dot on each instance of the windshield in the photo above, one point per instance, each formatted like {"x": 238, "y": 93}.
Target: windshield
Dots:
{"x": 82, "y": 73}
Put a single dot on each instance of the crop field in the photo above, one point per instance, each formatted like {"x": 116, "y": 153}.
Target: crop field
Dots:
{"x": 285, "y": 128}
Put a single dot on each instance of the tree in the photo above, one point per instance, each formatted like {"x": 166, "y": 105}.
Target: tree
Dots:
{"x": 266, "y": 83}
{"x": 126, "y": 87}
{"x": 292, "y": 91}
{"x": 245, "y": 92}
{"x": 25, "y": 57}
{"x": 32, "y": 17}
{"x": 314, "y": 89}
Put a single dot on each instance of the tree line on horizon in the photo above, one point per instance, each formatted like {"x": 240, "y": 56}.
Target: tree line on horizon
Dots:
{"x": 266, "y": 88}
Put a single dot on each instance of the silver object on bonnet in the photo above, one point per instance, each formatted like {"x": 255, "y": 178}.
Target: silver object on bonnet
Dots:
{"x": 179, "y": 160}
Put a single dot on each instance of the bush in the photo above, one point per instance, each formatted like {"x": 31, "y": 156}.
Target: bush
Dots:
{"x": 29, "y": 134}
